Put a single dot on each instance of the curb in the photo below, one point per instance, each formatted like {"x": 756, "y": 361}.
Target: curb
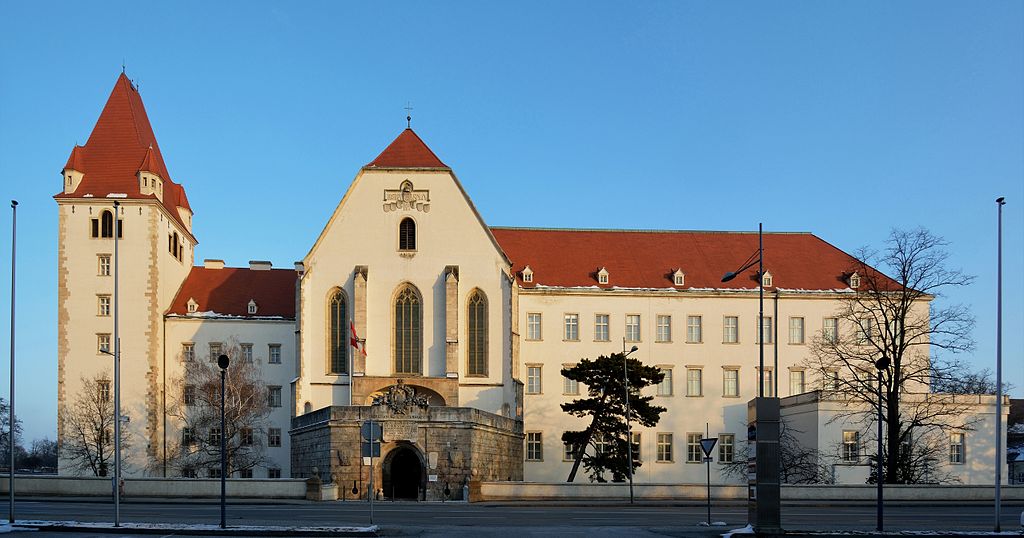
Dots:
{"x": 190, "y": 530}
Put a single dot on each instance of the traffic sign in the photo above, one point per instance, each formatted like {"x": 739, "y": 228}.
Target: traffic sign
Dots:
{"x": 707, "y": 445}
{"x": 371, "y": 431}
{"x": 370, "y": 449}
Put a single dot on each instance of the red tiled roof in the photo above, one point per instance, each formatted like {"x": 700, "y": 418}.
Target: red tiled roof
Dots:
{"x": 647, "y": 259}
{"x": 407, "y": 151}
{"x": 228, "y": 291}
{"x": 121, "y": 144}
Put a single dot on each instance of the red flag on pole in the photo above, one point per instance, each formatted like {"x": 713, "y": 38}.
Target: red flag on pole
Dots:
{"x": 354, "y": 339}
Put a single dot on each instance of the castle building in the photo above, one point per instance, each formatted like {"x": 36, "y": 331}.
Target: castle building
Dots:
{"x": 409, "y": 310}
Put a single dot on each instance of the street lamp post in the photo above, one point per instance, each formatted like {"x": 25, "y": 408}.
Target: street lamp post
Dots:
{"x": 223, "y": 362}
{"x": 1000, "y": 202}
{"x": 760, "y": 302}
{"x": 117, "y": 376}
{"x": 14, "y": 238}
{"x": 629, "y": 430}
{"x": 880, "y": 365}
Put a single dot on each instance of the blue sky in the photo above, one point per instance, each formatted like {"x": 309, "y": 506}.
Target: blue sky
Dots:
{"x": 843, "y": 119}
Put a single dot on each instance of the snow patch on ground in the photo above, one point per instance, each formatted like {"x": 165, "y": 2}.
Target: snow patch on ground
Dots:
{"x": 745, "y": 530}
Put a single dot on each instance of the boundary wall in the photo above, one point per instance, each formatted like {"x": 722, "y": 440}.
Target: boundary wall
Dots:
{"x": 253, "y": 488}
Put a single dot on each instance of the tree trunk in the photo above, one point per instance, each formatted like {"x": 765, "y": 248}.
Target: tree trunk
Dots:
{"x": 580, "y": 450}
{"x": 892, "y": 442}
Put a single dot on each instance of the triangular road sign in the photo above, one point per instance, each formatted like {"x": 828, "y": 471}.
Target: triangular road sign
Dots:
{"x": 707, "y": 445}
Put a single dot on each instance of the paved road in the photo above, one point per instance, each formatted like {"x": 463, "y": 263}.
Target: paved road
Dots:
{"x": 458, "y": 519}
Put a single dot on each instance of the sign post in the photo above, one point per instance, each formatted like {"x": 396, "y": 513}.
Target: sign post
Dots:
{"x": 707, "y": 445}
{"x": 370, "y": 434}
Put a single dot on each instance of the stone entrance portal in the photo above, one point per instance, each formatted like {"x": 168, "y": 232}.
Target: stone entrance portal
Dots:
{"x": 404, "y": 478}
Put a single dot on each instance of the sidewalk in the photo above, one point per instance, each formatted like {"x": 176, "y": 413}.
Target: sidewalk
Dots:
{"x": 204, "y": 530}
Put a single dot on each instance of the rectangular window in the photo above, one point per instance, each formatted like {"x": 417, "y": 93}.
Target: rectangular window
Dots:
{"x": 567, "y": 452}
{"x": 245, "y": 437}
{"x": 103, "y": 343}
{"x": 796, "y": 382}
{"x": 636, "y": 447}
{"x": 731, "y": 382}
{"x": 665, "y": 447}
{"x": 215, "y": 436}
{"x": 726, "y": 447}
{"x": 103, "y": 388}
{"x": 633, "y": 327}
{"x": 851, "y": 446}
{"x": 664, "y": 332}
{"x": 830, "y": 380}
{"x": 694, "y": 382}
{"x": 273, "y": 436}
{"x": 570, "y": 386}
{"x": 103, "y": 305}
{"x": 601, "y": 446}
{"x": 188, "y": 436}
{"x": 769, "y": 382}
{"x": 796, "y": 330}
{"x": 533, "y": 385}
{"x": 864, "y": 331}
{"x": 534, "y": 447}
{"x": 188, "y": 472}
{"x": 275, "y": 354}
{"x": 694, "y": 454}
{"x": 274, "y": 396}
{"x": 188, "y": 395}
{"x": 665, "y": 387}
{"x": 103, "y": 261}
{"x": 245, "y": 473}
{"x": 956, "y": 448}
{"x": 601, "y": 328}
{"x": 830, "y": 330}
{"x": 215, "y": 351}
{"x": 572, "y": 327}
{"x": 766, "y": 330}
{"x": 274, "y": 473}
{"x": 533, "y": 331}
{"x": 213, "y": 472}
{"x": 694, "y": 329}
{"x": 730, "y": 330}
{"x": 246, "y": 352}
{"x": 188, "y": 352}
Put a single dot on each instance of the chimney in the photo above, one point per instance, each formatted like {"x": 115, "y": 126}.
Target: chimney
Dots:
{"x": 213, "y": 264}
{"x": 259, "y": 265}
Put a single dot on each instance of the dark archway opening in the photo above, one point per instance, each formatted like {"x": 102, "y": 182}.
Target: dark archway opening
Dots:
{"x": 403, "y": 474}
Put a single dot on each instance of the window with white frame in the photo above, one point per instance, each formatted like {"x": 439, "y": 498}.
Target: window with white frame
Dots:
{"x": 275, "y": 354}
{"x": 534, "y": 447}
{"x": 730, "y": 330}
{"x": 956, "y": 448}
{"x": 851, "y": 446}
{"x": 533, "y": 381}
{"x": 601, "y": 444}
{"x": 570, "y": 386}
{"x": 664, "y": 446}
{"x": 103, "y": 390}
{"x": 679, "y": 278}
{"x": 527, "y": 274}
{"x": 188, "y": 351}
{"x": 568, "y": 452}
{"x": 572, "y": 327}
{"x": 103, "y": 305}
{"x": 245, "y": 473}
{"x": 731, "y": 382}
{"x": 213, "y": 472}
{"x": 533, "y": 323}
{"x": 766, "y": 330}
{"x": 864, "y": 330}
{"x": 188, "y": 436}
{"x": 664, "y": 326}
{"x": 245, "y": 437}
{"x": 601, "y": 328}
{"x": 188, "y": 395}
{"x": 726, "y": 447}
{"x": 632, "y": 327}
{"x": 797, "y": 382}
{"x": 694, "y": 329}
{"x": 214, "y": 438}
{"x": 273, "y": 472}
{"x": 830, "y": 330}
{"x": 636, "y": 447}
{"x": 602, "y": 276}
{"x": 252, "y": 308}
{"x": 246, "y": 352}
{"x": 274, "y": 396}
{"x": 103, "y": 343}
{"x": 215, "y": 351}
{"x": 665, "y": 387}
{"x": 830, "y": 380}
{"x": 694, "y": 382}
{"x": 103, "y": 262}
{"x": 796, "y": 330}
{"x": 273, "y": 436}
{"x": 694, "y": 453}
{"x": 769, "y": 381}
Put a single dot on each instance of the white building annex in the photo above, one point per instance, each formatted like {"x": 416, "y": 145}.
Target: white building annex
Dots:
{"x": 473, "y": 321}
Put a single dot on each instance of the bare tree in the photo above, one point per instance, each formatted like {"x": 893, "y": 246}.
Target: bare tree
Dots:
{"x": 5, "y": 432}
{"x": 895, "y": 318}
{"x": 798, "y": 463}
{"x": 196, "y": 403}
{"x": 88, "y": 441}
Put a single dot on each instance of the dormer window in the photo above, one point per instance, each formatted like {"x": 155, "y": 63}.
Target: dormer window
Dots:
{"x": 854, "y": 281}
{"x": 252, "y": 306}
{"x": 192, "y": 306}
{"x": 679, "y": 277}
{"x": 527, "y": 274}
{"x": 602, "y": 276}
{"x": 766, "y": 280}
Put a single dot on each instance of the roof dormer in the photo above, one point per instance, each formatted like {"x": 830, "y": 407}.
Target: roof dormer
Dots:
{"x": 73, "y": 170}
{"x": 252, "y": 307}
{"x": 679, "y": 277}
{"x": 193, "y": 306}
{"x": 854, "y": 280}
{"x": 150, "y": 183}
{"x": 602, "y": 276}
{"x": 527, "y": 274}
{"x": 766, "y": 279}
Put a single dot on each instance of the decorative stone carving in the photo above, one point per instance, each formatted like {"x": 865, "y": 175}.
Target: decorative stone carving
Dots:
{"x": 400, "y": 399}
{"x": 406, "y": 198}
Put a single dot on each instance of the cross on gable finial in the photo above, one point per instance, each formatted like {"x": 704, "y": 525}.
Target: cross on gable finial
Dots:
{"x": 408, "y": 115}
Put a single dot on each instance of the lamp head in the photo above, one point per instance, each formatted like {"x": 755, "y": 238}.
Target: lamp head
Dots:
{"x": 14, "y": 203}
{"x": 1000, "y": 201}
{"x": 728, "y": 276}
{"x": 223, "y": 362}
{"x": 634, "y": 349}
{"x": 882, "y": 363}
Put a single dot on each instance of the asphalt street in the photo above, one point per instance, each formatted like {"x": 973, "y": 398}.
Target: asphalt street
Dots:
{"x": 460, "y": 519}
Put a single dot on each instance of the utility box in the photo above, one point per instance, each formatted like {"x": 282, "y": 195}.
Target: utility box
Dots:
{"x": 763, "y": 428}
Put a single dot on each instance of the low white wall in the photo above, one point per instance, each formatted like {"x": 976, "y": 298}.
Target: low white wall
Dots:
{"x": 535, "y": 491}
{"x": 157, "y": 487}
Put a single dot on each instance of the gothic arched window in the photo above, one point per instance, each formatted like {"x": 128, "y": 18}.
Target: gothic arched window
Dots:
{"x": 408, "y": 348}
{"x": 477, "y": 325}
{"x": 407, "y": 234}
{"x": 338, "y": 340}
{"x": 107, "y": 224}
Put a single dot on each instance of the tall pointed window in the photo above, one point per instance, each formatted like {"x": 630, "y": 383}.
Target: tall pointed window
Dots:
{"x": 407, "y": 234}
{"x": 107, "y": 224}
{"x": 338, "y": 344}
{"x": 408, "y": 331}
{"x": 477, "y": 323}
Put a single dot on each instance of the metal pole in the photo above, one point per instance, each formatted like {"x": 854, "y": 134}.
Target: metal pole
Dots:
{"x": 223, "y": 454}
{"x": 760, "y": 311}
{"x": 629, "y": 430}
{"x": 999, "y": 202}
{"x": 707, "y": 461}
{"x": 775, "y": 346}
{"x": 14, "y": 252}
{"x": 117, "y": 378}
{"x": 372, "y": 492}
{"x": 880, "y": 478}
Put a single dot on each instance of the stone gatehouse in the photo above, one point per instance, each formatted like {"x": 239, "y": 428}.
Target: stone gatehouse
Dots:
{"x": 423, "y": 450}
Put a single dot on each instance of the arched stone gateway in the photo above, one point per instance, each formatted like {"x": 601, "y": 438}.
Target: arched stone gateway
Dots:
{"x": 404, "y": 475}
